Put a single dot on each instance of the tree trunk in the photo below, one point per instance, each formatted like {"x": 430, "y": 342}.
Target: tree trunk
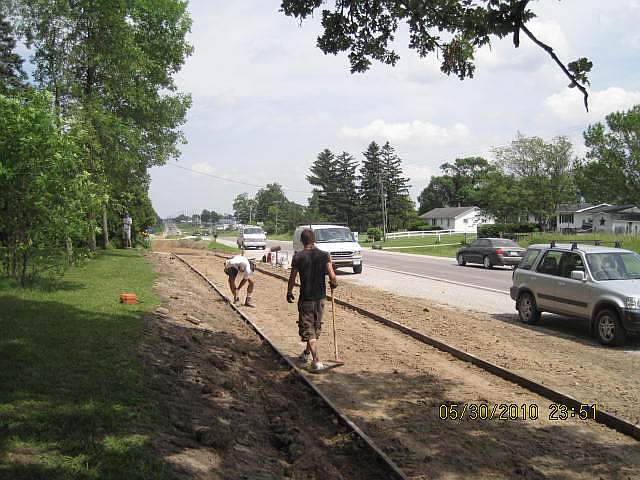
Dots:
{"x": 69, "y": 247}
{"x": 105, "y": 227}
{"x": 92, "y": 232}
{"x": 23, "y": 274}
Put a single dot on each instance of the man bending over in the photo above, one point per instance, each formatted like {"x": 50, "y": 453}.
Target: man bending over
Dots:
{"x": 241, "y": 266}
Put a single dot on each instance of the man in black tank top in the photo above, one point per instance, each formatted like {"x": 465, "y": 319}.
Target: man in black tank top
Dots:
{"x": 312, "y": 264}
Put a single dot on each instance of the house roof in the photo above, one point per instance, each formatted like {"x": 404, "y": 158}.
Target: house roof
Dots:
{"x": 448, "y": 212}
{"x": 611, "y": 208}
{"x": 573, "y": 207}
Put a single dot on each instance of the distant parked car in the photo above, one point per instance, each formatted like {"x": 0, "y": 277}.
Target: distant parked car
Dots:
{"x": 252, "y": 237}
{"x": 601, "y": 284}
{"x": 490, "y": 252}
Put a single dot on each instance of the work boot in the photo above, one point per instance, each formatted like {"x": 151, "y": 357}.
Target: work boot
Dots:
{"x": 249, "y": 303}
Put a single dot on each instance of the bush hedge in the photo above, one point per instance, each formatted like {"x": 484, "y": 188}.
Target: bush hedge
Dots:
{"x": 489, "y": 230}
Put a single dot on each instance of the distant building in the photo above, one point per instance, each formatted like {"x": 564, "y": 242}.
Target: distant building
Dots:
{"x": 584, "y": 217}
{"x": 464, "y": 219}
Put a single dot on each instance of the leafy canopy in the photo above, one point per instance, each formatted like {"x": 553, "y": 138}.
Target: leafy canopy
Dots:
{"x": 453, "y": 29}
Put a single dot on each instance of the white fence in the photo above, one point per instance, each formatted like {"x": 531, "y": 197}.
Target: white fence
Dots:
{"x": 433, "y": 233}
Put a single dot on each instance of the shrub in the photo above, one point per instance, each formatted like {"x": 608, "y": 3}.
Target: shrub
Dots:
{"x": 375, "y": 233}
{"x": 500, "y": 229}
{"x": 422, "y": 226}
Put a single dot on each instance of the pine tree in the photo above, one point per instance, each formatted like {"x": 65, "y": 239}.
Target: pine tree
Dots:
{"x": 12, "y": 75}
{"x": 398, "y": 203}
{"x": 347, "y": 198}
{"x": 371, "y": 185}
{"x": 324, "y": 177}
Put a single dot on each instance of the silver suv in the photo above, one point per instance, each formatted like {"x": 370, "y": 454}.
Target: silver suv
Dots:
{"x": 601, "y": 284}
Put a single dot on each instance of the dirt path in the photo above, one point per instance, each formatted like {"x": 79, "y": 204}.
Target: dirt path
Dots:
{"x": 557, "y": 352}
{"x": 231, "y": 410}
{"x": 393, "y": 387}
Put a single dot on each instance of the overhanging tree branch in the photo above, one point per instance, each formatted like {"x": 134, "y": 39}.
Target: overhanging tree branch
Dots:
{"x": 552, "y": 54}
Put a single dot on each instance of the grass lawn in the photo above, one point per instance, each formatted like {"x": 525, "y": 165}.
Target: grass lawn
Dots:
{"x": 222, "y": 248}
{"x": 73, "y": 399}
{"x": 280, "y": 236}
{"x": 430, "y": 240}
{"x": 628, "y": 241}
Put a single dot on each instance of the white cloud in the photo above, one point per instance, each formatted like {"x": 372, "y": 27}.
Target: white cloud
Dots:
{"x": 568, "y": 105}
{"x": 415, "y": 132}
{"x": 417, "y": 172}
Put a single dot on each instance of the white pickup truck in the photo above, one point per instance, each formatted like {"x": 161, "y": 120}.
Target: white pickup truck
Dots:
{"x": 337, "y": 241}
{"x": 252, "y": 237}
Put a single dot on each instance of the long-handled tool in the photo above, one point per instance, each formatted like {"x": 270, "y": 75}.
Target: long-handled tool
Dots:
{"x": 338, "y": 360}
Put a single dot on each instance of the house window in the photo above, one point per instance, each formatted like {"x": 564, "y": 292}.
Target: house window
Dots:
{"x": 466, "y": 220}
{"x": 566, "y": 218}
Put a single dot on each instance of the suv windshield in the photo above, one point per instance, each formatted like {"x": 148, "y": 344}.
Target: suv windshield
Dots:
{"x": 252, "y": 231}
{"x": 327, "y": 235}
{"x": 614, "y": 266}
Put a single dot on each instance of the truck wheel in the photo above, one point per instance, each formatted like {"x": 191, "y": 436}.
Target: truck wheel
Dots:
{"x": 609, "y": 329}
{"x": 527, "y": 309}
{"x": 357, "y": 268}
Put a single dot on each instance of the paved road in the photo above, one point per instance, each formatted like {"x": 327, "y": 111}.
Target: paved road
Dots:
{"x": 434, "y": 268}
{"x": 434, "y": 278}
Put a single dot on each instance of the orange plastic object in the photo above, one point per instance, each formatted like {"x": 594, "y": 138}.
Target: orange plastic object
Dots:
{"x": 128, "y": 298}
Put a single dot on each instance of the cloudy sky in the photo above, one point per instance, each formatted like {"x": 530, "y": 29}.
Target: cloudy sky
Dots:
{"x": 266, "y": 100}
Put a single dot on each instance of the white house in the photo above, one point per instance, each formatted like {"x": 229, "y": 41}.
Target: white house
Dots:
{"x": 464, "y": 219}
{"x": 617, "y": 219}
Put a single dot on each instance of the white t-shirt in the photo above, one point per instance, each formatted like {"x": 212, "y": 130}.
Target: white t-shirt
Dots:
{"x": 242, "y": 264}
{"x": 126, "y": 224}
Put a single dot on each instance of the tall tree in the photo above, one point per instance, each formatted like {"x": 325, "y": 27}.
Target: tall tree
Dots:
{"x": 371, "y": 188}
{"x": 611, "y": 171}
{"x": 452, "y": 29}
{"x": 544, "y": 171}
{"x": 43, "y": 184}
{"x": 324, "y": 178}
{"x": 458, "y": 185}
{"x": 399, "y": 206}
{"x": 113, "y": 63}
{"x": 12, "y": 76}
{"x": 347, "y": 199}
{"x": 244, "y": 208}
{"x": 270, "y": 202}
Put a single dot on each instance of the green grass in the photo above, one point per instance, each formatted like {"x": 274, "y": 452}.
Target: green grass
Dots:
{"x": 222, "y": 248}
{"x": 418, "y": 241}
{"x": 281, "y": 236}
{"x": 628, "y": 241}
{"x": 74, "y": 402}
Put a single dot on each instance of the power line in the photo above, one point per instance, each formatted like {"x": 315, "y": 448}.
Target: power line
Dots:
{"x": 218, "y": 177}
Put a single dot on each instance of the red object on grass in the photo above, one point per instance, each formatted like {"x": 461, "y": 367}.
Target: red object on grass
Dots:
{"x": 128, "y": 298}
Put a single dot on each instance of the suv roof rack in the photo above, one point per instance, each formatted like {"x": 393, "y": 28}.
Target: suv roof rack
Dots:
{"x": 597, "y": 243}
